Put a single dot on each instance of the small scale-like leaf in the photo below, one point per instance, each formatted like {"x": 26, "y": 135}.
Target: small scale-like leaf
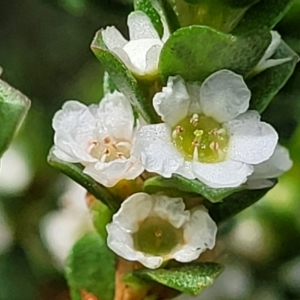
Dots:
{"x": 170, "y": 15}
{"x": 147, "y": 7}
{"x": 235, "y": 203}
{"x": 267, "y": 84}
{"x": 108, "y": 84}
{"x": 158, "y": 183}
{"x": 211, "y": 51}
{"x": 13, "y": 108}
{"x": 74, "y": 171}
{"x": 190, "y": 279}
{"x": 91, "y": 267}
{"x": 264, "y": 14}
{"x": 123, "y": 79}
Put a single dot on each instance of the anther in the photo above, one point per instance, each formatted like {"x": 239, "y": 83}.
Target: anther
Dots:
{"x": 194, "y": 119}
{"x": 107, "y": 140}
{"x": 158, "y": 233}
{"x": 214, "y": 146}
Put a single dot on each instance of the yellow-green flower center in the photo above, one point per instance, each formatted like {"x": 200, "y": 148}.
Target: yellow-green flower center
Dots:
{"x": 157, "y": 236}
{"x": 201, "y": 138}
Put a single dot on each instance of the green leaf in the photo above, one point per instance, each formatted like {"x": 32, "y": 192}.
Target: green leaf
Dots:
{"x": 91, "y": 267}
{"x": 265, "y": 14}
{"x": 123, "y": 79}
{"x": 190, "y": 279}
{"x": 267, "y": 84}
{"x": 108, "y": 84}
{"x": 239, "y": 3}
{"x": 74, "y": 171}
{"x": 13, "y": 108}
{"x": 235, "y": 203}
{"x": 196, "y": 52}
{"x": 158, "y": 183}
{"x": 170, "y": 15}
{"x": 147, "y": 7}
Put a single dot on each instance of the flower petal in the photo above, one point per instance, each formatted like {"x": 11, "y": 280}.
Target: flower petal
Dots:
{"x": 224, "y": 95}
{"x": 74, "y": 127}
{"x": 199, "y": 234}
{"x": 152, "y": 57}
{"x": 193, "y": 89}
{"x": 173, "y": 211}
{"x": 186, "y": 170}
{"x": 173, "y": 102}
{"x": 251, "y": 142}
{"x": 141, "y": 27}
{"x": 223, "y": 174}
{"x": 278, "y": 163}
{"x": 133, "y": 210}
{"x": 137, "y": 51}
{"x": 110, "y": 173}
{"x": 113, "y": 38}
{"x": 116, "y": 116}
{"x": 158, "y": 153}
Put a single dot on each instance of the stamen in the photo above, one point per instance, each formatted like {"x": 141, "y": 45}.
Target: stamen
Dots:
{"x": 158, "y": 233}
{"x": 194, "y": 119}
{"x": 107, "y": 140}
{"x": 214, "y": 146}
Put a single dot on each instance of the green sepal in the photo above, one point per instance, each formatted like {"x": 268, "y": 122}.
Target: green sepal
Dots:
{"x": 147, "y": 7}
{"x": 235, "y": 203}
{"x": 170, "y": 15}
{"x": 190, "y": 279}
{"x": 264, "y": 14}
{"x": 91, "y": 267}
{"x": 101, "y": 216}
{"x": 267, "y": 84}
{"x": 108, "y": 85}
{"x": 123, "y": 79}
{"x": 194, "y": 186}
{"x": 75, "y": 172}
{"x": 211, "y": 51}
{"x": 13, "y": 108}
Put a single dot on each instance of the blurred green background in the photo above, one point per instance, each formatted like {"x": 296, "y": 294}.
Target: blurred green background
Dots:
{"x": 44, "y": 51}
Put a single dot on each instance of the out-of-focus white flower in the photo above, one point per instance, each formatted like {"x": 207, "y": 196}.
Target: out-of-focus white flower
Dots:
{"x": 62, "y": 228}
{"x": 208, "y": 133}
{"x": 100, "y": 137}
{"x": 274, "y": 167}
{"x": 268, "y": 62}
{"x": 151, "y": 229}
{"x": 15, "y": 172}
{"x": 141, "y": 52}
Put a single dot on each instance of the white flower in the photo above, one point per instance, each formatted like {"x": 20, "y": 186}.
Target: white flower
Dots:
{"x": 62, "y": 228}
{"x": 207, "y": 132}
{"x": 266, "y": 61}
{"x": 100, "y": 137}
{"x": 154, "y": 228}
{"x": 274, "y": 167}
{"x": 141, "y": 52}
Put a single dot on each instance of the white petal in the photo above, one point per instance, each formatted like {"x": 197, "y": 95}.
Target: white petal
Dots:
{"x": 256, "y": 184}
{"x": 133, "y": 210}
{"x": 158, "y": 153}
{"x": 224, "y": 174}
{"x": 194, "y": 94}
{"x": 199, "y": 234}
{"x": 186, "y": 170}
{"x": 141, "y": 27}
{"x": 121, "y": 242}
{"x": 172, "y": 210}
{"x": 116, "y": 116}
{"x": 152, "y": 58}
{"x": 275, "y": 42}
{"x": 137, "y": 51}
{"x": 249, "y": 115}
{"x": 224, "y": 95}
{"x": 121, "y": 53}
{"x": 109, "y": 174}
{"x": 74, "y": 127}
{"x": 279, "y": 163}
{"x": 113, "y": 38}
{"x": 251, "y": 142}
{"x": 173, "y": 102}
{"x": 151, "y": 262}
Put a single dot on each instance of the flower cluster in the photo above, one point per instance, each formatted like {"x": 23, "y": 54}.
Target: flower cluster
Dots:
{"x": 207, "y": 133}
